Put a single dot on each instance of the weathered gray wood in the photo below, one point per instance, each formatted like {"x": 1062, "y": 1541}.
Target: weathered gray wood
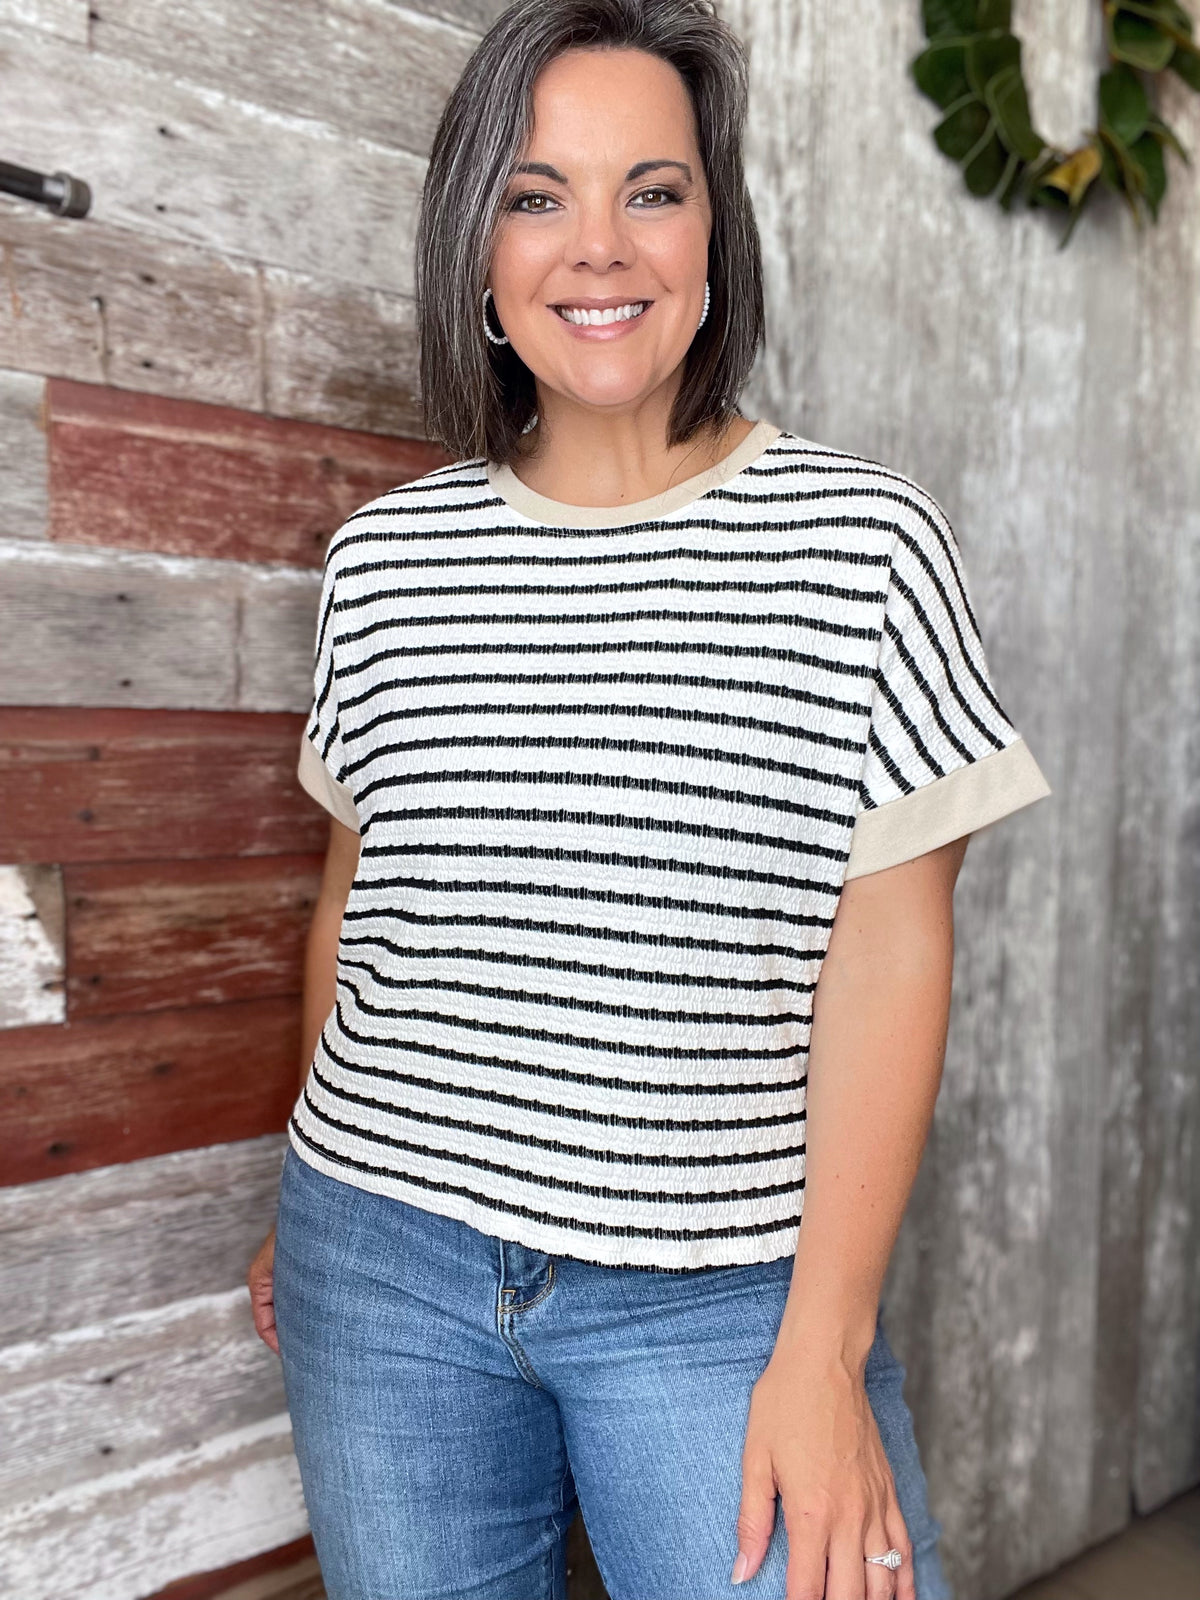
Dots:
{"x": 186, "y": 164}
{"x": 478, "y": 15}
{"x": 1164, "y": 522}
{"x": 130, "y": 1533}
{"x": 66, "y": 18}
{"x": 173, "y": 319}
{"x": 109, "y": 1397}
{"x": 89, "y": 1247}
{"x": 340, "y": 63}
{"x": 957, "y": 344}
{"x": 94, "y": 627}
{"x": 335, "y": 352}
{"x": 23, "y": 457}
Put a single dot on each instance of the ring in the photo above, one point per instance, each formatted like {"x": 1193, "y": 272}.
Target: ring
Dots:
{"x": 890, "y": 1558}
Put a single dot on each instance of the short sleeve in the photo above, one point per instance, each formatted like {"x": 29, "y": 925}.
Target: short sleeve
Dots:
{"x": 942, "y": 758}
{"x": 322, "y": 757}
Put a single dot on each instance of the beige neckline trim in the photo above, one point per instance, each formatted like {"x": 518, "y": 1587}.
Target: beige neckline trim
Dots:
{"x": 562, "y": 514}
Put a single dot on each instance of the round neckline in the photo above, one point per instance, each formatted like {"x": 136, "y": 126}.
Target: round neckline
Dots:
{"x": 563, "y": 514}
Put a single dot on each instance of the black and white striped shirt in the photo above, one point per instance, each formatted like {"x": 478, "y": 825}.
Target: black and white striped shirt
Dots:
{"x": 611, "y": 767}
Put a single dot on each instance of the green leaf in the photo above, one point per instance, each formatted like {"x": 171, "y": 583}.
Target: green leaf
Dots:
{"x": 1110, "y": 172}
{"x": 1147, "y": 155}
{"x": 1186, "y": 62}
{"x": 941, "y": 72}
{"x": 1166, "y": 135}
{"x": 984, "y": 170}
{"x": 989, "y": 54}
{"x": 994, "y": 14}
{"x": 1009, "y": 103}
{"x": 1139, "y": 42}
{"x": 1124, "y": 107}
{"x": 959, "y": 133}
{"x": 948, "y": 16}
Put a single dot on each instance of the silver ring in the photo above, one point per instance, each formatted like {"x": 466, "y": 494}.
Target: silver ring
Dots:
{"x": 890, "y": 1558}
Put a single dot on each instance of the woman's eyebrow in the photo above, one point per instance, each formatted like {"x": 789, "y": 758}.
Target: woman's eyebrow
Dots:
{"x": 543, "y": 169}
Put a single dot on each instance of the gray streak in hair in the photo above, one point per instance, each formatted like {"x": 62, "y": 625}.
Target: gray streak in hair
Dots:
{"x": 478, "y": 398}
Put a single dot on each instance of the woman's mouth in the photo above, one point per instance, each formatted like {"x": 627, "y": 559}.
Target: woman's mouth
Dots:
{"x": 584, "y": 317}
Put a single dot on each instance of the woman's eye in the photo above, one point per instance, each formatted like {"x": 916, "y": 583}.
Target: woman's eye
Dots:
{"x": 519, "y": 204}
{"x": 669, "y": 196}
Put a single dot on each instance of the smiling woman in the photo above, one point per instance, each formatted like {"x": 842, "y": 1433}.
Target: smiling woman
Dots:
{"x": 655, "y": 734}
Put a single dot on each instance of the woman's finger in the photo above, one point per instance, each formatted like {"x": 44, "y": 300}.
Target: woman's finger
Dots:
{"x": 881, "y": 1582}
{"x": 808, "y": 1548}
{"x": 897, "y": 1539}
{"x": 756, "y": 1515}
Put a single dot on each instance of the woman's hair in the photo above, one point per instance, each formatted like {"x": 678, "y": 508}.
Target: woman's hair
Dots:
{"x": 477, "y": 397}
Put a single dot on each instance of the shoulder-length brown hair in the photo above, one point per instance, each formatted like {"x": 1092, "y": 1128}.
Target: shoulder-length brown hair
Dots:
{"x": 478, "y": 397}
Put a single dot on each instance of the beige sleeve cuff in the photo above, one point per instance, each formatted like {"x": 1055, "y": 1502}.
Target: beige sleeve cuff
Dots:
{"x": 316, "y": 778}
{"x": 964, "y": 801}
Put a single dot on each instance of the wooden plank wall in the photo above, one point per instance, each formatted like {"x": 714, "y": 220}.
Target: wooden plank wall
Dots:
{"x": 198, "y": 381}
{"x": 1045, "y": 1294}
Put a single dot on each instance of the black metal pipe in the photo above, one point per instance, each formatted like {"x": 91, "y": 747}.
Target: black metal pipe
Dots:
{"x": 68, "y": 196}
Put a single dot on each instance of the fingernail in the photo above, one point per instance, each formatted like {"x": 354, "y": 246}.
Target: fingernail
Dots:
{"x": 739, "y": 1567}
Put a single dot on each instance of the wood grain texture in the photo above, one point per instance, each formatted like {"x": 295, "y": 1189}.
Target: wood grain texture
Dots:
{"x": 338, "y": 64}
{"x": 144, "y": 472}
{"x": 146, "y": 935}
{"x": 66, "y": 18}
{"x": 98, "y": 627}
{"x": 89, "y": 1247}
{"x": 113, "y": 1396}
{"x": 189, "y": 165}
{"x": 289, "y": 1572}
{"x": 127, "y": 1533}
{"x": 91, "y": 1093}
{"x": 23, "y": 460}
{"x": 128, "y": 785}
{"x": 147, "y": 314}
{"x": 957, "y": 344}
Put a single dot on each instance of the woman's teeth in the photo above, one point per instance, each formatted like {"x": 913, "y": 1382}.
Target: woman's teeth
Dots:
{"x": 599, "y": 319}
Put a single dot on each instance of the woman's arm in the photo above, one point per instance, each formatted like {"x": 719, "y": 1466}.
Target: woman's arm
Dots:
{"x": 320, "y": 992}
{"x": 880, "y": 1016}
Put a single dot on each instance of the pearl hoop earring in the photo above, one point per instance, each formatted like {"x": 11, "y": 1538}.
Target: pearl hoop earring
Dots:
{"x": 494, "y": 337}
{"x": 704, "y": 313}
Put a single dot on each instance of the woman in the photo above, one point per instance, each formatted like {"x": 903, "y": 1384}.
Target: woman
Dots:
{"x": 646, "y": 715}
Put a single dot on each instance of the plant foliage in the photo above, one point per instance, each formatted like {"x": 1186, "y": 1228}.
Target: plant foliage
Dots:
{"x": 971, "y": 70}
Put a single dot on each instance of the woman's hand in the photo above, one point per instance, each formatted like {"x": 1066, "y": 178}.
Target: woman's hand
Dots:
{"x": 261, "y": 1279}
{"x": 812, "y": 1439}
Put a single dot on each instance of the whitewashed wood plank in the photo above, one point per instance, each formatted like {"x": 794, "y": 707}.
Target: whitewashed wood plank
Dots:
{"x": 339, "y": 62}
{"x": 88, "y": 626}
{"x": 31, "y": 959}
{"x": 189, "y": 164}
{"x": 131, "y": 1533}
{"x": 338, "y": 353}
{"x": 1164, "y": 519}
{"x": 105, "y": 304}
{"x": 112, "y": 1396}
{"x": 478, "y": 15}
{"x": 66, "y": 18}
{"x": 145, "y": 314}
{"x": 23, "y": 465}
{"x": 91, "y": 1246}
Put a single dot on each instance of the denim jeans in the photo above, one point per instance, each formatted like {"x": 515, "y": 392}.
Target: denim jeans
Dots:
{"x": 455, "y": 1397}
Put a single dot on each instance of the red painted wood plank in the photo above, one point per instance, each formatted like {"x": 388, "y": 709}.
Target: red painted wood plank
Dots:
{"x": 208, "y": 1585}
{"x": 123, "y": 784}
{"x": 89, "y": 1094}
{"x": 143, "y": 472}
{"x": 142, "y": 936}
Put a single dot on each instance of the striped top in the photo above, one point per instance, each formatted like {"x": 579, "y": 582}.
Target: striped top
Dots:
{"x": 611, "y": 767}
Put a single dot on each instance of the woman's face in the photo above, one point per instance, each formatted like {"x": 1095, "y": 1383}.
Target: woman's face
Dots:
{"x": 608, "y": 208}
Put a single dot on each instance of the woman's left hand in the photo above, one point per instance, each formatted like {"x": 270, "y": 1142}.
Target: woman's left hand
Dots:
{"x": 812, "y": 1439}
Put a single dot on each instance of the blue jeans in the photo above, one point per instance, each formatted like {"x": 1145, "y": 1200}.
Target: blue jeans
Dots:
{"x": 455, "y": 1397}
